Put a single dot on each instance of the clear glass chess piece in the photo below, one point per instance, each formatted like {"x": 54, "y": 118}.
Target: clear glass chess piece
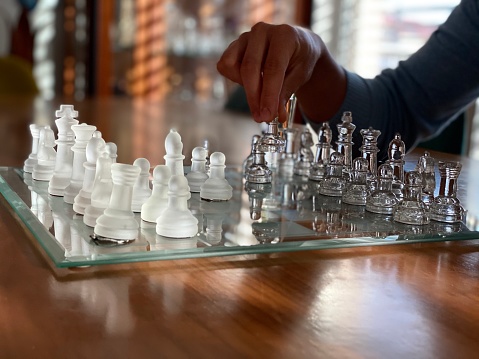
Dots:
{"x": 382, "y": 200}
{"x": 324, "y": 149}
{"x": 357, "y": 190}
{"x": 272, "y": 144}
{"x": 426, "y": 166}
{"x": 334, "y": 183}
{"x": 304, "y": 156}
{"x": 396, "y": 153}
{"x": 411, "y": 209}
{"x": 249, "y": 160}
{"x": 287, "y": 158}
{"x": 258, "y": 172}
{"x": 344, "y": 144}
{"x": 446, "y": 207}
{"x": 369, "y": 150}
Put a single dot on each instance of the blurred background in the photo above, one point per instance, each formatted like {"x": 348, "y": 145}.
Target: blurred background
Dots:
{"x": 168, "y": 49}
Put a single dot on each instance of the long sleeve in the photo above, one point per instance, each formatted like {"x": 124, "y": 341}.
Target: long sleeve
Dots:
{"x": 426, "y": 91}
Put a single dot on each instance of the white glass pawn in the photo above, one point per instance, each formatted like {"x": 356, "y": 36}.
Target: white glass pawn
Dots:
{"x": 32, "y": 157}
{"x": 382, "y": 200}
{"x": 112, "y": 149}
{"x": 411, "y": 209}
{"x": 94, "y": 148}
{"x": 197, "y": 176}
{"x": 216, "y": 188}
{"x": 141, "y": 189}
{"x": 43, "y": 170}
{"x": 101, "y": 192}
{"x": 118, "y": 223}
{"x": 177, "y": 221}
{"x": 356, "y": 192}
{"x": 158, "y": 201}
{"x": 66, "y": 139}
{"x": 83, "y": 133}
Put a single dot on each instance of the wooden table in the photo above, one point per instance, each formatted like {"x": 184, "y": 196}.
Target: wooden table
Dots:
{"x": 395, "y": 301}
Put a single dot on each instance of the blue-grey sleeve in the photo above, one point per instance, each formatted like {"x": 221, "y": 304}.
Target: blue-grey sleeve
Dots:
{"x": 426, "y": 91}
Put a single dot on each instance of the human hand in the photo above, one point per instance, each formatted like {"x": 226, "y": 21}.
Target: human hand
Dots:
{"x": 271, "y": 62}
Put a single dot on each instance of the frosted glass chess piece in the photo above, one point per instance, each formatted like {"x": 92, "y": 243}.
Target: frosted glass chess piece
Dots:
{"x": 287, "y": 158}
{"x": 256, "y": 193}
{"x": 177, "y": 221}
{"x": 174, "y": 153}
{"x": 356, "y": 191}
{"x": 396, "y": 153}
{"x": 272, "y": 144}
{"x": 112, "y": 149}
{"x": 446, "y": 207}
{"x": 411, "y": 209}
{"x": 32, "y": 157}
{"x": 83, "y": 134}
{"x": 158, "y": 201}
{"x": 101, "y": 192}
{"x": 197, "y": 176}
{"x": 141, "y": 189}
{"x": 382, "y": 200}
{"x": 66, "y": 139}
{"x": 94, "y": 148}
{"x": 369, "y": 150}
{"x": 304, "y": 155}
{"x": 334, "y": 183}
{"x": 216, "y": 187}
{"x": 426, "y": 166}
{"x": 324, "y": 149}
{"x": 258, "y": 171}
{"x": 249, "y": 160}
{"x": 344, "y": 144}
{"x": 117, "y": 223}
{"x": 46, "y": 157}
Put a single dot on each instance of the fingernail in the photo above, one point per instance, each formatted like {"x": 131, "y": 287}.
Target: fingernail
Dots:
{"x": 265, "y": 115}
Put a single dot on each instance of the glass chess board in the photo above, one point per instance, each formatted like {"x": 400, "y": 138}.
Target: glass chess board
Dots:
{"x": 293, "y": 218}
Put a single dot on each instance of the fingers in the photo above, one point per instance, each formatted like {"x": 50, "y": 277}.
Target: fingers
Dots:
{"x": 274, "y": 93}
{"x": 230, "y": 62}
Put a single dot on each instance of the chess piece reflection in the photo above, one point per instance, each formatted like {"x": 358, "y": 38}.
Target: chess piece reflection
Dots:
{"x": 446, "y": 207}
{"x": 256, "y": 193}
{"x": 214, "y": 214}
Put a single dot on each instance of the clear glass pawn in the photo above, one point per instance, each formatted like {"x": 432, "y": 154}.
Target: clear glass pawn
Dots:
{"x": 382, "y": 200}
{"x": 258, "y": 172}
{"x": 287, "y": 159}
{"x": 426, "y": 167}
{"x": 356, "y": 191}
{"x": 396, "y": 153}
{"x": 249, "y": 160}
{"x": 334, "y": 183}
{"x": 446, "y": 207}
{"x": 271, "y": 144}
{"x": 411, "y": 209}
{"x": 344, "y": 144}
{"x": 324, "y": 149}
{"x": 304, "y": 156}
